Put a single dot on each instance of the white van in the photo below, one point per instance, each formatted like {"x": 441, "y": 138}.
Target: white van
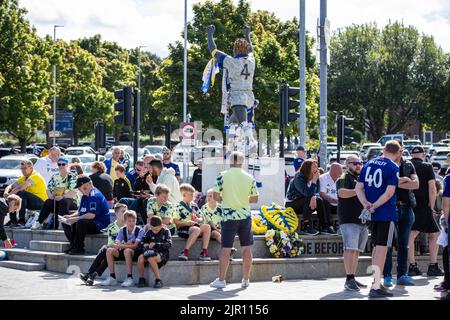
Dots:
{"x": 389, "y": 137}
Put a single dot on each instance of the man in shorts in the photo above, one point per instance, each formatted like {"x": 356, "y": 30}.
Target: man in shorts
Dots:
{"x": 424, "y": 214}
{"x": 376, "y": 192}
{"x": 354, "y": 232}
{"x": 236, "y": 190}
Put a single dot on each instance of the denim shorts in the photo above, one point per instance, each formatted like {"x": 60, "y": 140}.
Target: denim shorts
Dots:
{"x": 354, "y": 236}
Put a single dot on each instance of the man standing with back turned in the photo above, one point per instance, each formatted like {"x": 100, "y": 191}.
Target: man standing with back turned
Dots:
{"x": 376, "y": 192}
{"x": 236, "y": 189}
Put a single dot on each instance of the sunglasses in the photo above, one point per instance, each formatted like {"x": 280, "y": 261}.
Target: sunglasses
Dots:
{"x": 356, "y": 164}
{"x": 62, "y": 164}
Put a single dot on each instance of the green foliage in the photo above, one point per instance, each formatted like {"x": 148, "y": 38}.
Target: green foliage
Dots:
{"x": 384, "y": 77}
{"x": 24, "y": 75}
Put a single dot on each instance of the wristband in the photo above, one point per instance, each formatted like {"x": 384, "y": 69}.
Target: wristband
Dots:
{"x": 213, "y": 53}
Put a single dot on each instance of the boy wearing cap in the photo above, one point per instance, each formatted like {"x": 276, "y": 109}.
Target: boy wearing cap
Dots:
{"x": 301, "y": 155}
{"x": 61, "y": 194}
{"x": 91, "y": 217}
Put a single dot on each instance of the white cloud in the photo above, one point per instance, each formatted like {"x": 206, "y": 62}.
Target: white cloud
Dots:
{"x": 156, "y": 23}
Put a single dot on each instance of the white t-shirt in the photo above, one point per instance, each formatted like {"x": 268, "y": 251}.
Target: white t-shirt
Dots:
{"x": 328, "y": 186}
{"x": 46, "y": 167}
{"x": 240, "y": 76}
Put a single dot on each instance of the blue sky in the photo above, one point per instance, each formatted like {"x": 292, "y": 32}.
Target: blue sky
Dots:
{"x": 156, "y": 23}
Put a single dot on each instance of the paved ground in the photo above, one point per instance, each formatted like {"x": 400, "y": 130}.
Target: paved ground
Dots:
{"x": 16, "y": 285}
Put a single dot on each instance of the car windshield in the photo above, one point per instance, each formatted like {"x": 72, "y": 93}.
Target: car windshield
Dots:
{"x": 10, "y": 163}
{"x": 155, "y": 150}
{"x": 442, "y": 153}
{"x": 74, "y": 152}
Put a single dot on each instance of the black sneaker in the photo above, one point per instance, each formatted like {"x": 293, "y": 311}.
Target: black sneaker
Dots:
{"x": 434, "y": 271}
{"x": 68, "y": 250}
{"x": 158, "y": 284}
{"x": 309, "y": 231}
{"x": 142, "y": 283}
{"x": 19, "y": 225}
{"x": 90, "y": 281}
{"x": 11, "y": 223}
{"x": 359, "y": 284}
{"x": 350, "y": 285}
{"x": 379, "y": 293}
{"x": 328, "y": 230}
{"x": 74, "y": 252}
{"x": 414, "y": 270}
{"x": 84, "y": 277}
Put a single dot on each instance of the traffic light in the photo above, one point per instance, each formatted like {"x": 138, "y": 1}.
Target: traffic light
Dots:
{"x": 287, "y": 104}
{"x": 124, "y": 106}
{"x": 100, "y": 135}
{"x": 344, "y": 131}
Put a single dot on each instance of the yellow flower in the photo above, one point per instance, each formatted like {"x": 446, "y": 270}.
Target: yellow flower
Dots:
{"x": 277, "y": 254}
{"x": 273, "y": 248}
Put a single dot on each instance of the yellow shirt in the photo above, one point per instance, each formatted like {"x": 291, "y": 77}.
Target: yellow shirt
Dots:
{"x": 112, "y": 173}
{"x": 38, "y": 187}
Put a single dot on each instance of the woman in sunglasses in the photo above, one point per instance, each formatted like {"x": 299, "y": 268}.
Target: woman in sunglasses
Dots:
{"x": 61, "y": 195}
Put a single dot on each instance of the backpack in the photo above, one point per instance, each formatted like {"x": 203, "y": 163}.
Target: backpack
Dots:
{"x": 125, "y": 236}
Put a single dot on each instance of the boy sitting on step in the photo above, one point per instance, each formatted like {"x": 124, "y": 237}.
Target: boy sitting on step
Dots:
{"x": 188, "y": 224}
{"x": 156, "y": 244}
{"x": 100, "y": 263}
{"x": 125, "y": 248}
{"x": 161, "y": 207}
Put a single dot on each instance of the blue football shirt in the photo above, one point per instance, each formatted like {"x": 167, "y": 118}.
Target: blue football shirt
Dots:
{"x": 377, "y": 175}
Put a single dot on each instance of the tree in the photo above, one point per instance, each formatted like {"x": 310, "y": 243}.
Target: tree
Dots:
{"x": 80, "y": 89}
{"x": 383, "y": 77}
{"x": 276, "y": 52}
{"x": 24, "y": 75}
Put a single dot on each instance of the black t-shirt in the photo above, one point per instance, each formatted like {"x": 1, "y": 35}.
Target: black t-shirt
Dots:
{"x": 425, "y": 173}
{"x": 121, "y": 189}
{"x": 197, "y": 180}
{"x": 162, "y": 240}
{"x": 349, "y": 209}
{"x": 103, "y": 182}
{"x": 406, "y": 170}
{"x": 140, "y": 183}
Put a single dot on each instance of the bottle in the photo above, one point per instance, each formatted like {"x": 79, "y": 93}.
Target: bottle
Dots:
{"x": 278, "y": 278}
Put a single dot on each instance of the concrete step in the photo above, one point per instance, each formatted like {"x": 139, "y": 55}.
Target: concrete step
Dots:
{"x": 315, "y": 246}
{"x": 21, "y": 265}
{"x": 52, "y": 246}
{"x": 203, "y": 272}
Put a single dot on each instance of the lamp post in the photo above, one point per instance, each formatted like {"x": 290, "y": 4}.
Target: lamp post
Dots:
{"x": 185, "y": 161}
{"x": 54, "y": 88}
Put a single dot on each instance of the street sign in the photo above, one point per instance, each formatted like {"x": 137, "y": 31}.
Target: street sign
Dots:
{"x": 55, "y": 134}
{"x": 188, "y": 134}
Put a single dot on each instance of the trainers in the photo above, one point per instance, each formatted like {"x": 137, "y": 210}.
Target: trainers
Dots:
{"x": 405, "y": 281}
{"x": 204, "y": 257}
{"x": 90, "y": 281}
{"x": 351, "y": 285}
{"x": 414, "y": 270}
{"x": 109, "y": 282}
{"x": 142, "y": 283}
{"x": 440, "y": 288}
{"x": 36, "y": 226}
{"x": 387, "y": 281}
{"x": 74, "y": 252}
{"x": 84, "y": 277}
{"x": 183, "y": 257}
{"x": 359, "y": 284}
{"x": 128, "y": 283}
{"x": 434, "y": 271}
{"x": 379, "y": 293}
{"x": 158, "y": 284}
{"x": 328, "y": 230}
{"x": 245, "y": 283}
{"x": 309, "y": 231}
{"x": 218, "y": 284}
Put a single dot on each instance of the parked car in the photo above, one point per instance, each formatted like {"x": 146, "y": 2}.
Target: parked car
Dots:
{"x": 409, "y": 144}
{"x": 373, "y": 152}
{"x": 10, "y": 168}
{"x": 201, "y": 152}
{"x": 343, "y": 156}
{"x": 365, "y": 147}
{"x": 388, "y": 137}
{"x": 8, "y": 151}
{"x": 446, "y": 141}
{"x": 85, "y": 154}
{"x": 154, "y": 149}
{"x": 440, "y": 156}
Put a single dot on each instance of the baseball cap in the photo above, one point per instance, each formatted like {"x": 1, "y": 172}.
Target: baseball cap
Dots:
{"x": 63, "y": 159}
{"x": 82, "y": 180}
{"x": 300, "y": 148}
{"x": 417, "y": 149}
